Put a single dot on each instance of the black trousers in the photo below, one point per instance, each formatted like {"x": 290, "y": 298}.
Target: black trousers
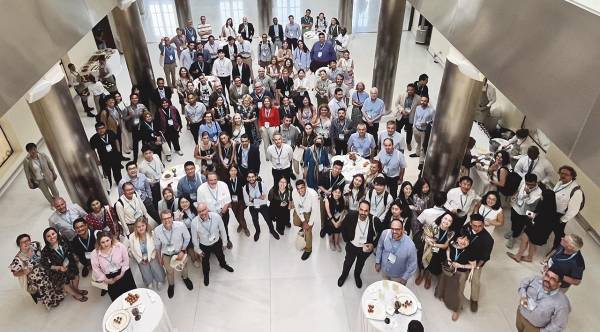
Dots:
{"x": 354, "y": 253}
{"x": 373, "y": 129}
{"x": 408, "y": 127}
{"x": 341, "y": 147}
{"x": 292, "y": 43}
{"x": 156, "y": 194}
{"x": 264, "y": 210}
{"x": 518, "y": 222}
{"x": 392, "y": 184}
{"x": 281, "y": 216}
{"x": 278, "y": 173}
{"x": 314, "y": 65}
{"x": 149, "y": 204}
{"x": 194, "y": 128}
{"x": 217, "y": 249}
{"x": 559, "y": 231}
{"x": 458, "y": 224}
{"x": 135, "y": 137}
{"x": 225, "y": 82}
{"x": 114, "y": 167}
{"x": 172, "y": 137}
{"x": 225, "y": 218}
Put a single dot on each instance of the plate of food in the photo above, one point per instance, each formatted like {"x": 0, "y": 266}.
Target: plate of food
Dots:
{"x": 167, "y": 175}
{"x": 117, "y": 321}
{"x": 407, "y": 305}
{"x": 131, "y": 300}
{"x": 375, "y": 310}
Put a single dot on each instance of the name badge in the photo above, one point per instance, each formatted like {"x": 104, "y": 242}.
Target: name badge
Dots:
{"x": 170, "y": 122}
{"x": 300, "y": 207}
{"x": 341, "y": 137}
{"x": 320, "y": 168}
{"x": 259, "y": 104}
{"x": 136, "y": 121}
{"x": 170, "y": 249}
{"x": 212, "y": 238}
{"x": 320, "y": 54}
{"x": 209, "y": 162}
{"x": 435, "y": 249}
{"x": 267, "y": 125}
{"x": 108, "y": 148}
{"x": 284, "y": 204}
{"x": 226, "y": 161}
{"x": 171, "y": 58}
{"x": 286, "y": 93}
{"x": 88, "y": 255}
{"x": 391, "y": 258}
{"x": 234, "y": 198}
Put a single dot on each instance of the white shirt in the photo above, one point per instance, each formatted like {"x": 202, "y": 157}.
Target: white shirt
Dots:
{"x": 524, "y": 201}
{"x": 344, "y": 41}
{"x": 152, "y": 169}
{"x": 565, "y": 204}
{"x": 281, "y": 158}
{"x": 130, "y": 210}
{"x": 457, "y": 200}
{"x": 244, "y": 49}
{"x": 306, "y": 204}
{"x": 429, "y": 216}
{"x": 541, "y": 168}
{"x": 360, "y": 232}
{"x": 207, "y": 232}
{"x": 186, "y": 58}
{"x": 335, "y": 105}
{"x": 222, "y": 68}
{"x": 215, "y": 198}
{"x": 252, "y": 192}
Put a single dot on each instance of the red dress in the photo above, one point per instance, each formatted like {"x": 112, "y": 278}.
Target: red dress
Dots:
{"x": 271, "y": 116}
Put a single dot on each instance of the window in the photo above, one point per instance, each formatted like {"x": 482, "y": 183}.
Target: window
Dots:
{"x": 164, "y": 20}
{"x": 233, "y": 9}
{"x": 286, "y": 8}
{"x": 5, "y": 149}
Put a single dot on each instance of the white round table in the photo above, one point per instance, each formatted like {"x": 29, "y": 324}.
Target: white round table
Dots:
{"x": 351, "y": 168}
{"x": 383, "y": 293}
{"x": 310, "y": 38}
{"x": 152, "y": 309}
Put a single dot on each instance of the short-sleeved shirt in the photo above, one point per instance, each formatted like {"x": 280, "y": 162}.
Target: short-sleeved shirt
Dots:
{"x": 106, "y": 145}
{"x": 570, "y": 265}
{"x": 362, "y": 145}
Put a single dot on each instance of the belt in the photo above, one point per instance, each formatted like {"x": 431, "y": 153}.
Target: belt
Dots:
{"x": 421, "y": 130}
{"x": 245, "y": 57}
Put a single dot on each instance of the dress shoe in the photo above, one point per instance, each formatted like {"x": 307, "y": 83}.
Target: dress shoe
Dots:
{"x": 409, "y": 147}
{"x": 358, "y": 281}
{"x": 280, "y": 231}
{"x": 419, "y": 279}
{"x": 188, "y": 283}
{"x": 275, "y": 235}
{"x": 247, "y": 232}
{"x": 239, "y": 229}
{"x": 420, "y": 168}
{"x": 413, "y": 155}
{"x": 179, "y": 153}
{"x": 474, "y": 306}
{"x": 103, "y": 292}
{"x": 85, "y": 271}
{"x": 293, "y": 176}
{"x": 90, "y": 115}
{"x": 125, "y": 158}
{"x": 322, "y": 233}
{"x": 256, "y": 236}
{"x": 229, "y": 245}
{"x": 227, "y": 268}
{"x": 427, "y": 282}
{"x": 288, "y": 225}
{"x": 305, "y": 255}
{"x": 206, "y": 281}
{"x": 341, "y": 280}
{"x": 171, "y": 291}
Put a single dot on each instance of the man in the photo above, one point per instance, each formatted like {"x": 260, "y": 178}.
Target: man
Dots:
{"x": 358, "y": 232}
{"x": 327, "y": 180}
{"x": 77, "y": 81}
{"x": 188, "y": 56}
{"x": 536, "y": 165}
{"x": 265, "y": 51}
{"x": 259, "y": 94}
{"x": 421, "y": 88}
{"x": 396, "y": 256}
{"x": 204, "y": 30}
{"x": 190, "y": 32}
{"x": 480, "y": 247}
{"x": 394, "y": 165}
{"x": 281, "y": 155}
{"x": 338, "y": 83}
{"x": 230, "y": 49}
{"x": 405, "y": 106}
{"x": 171, "y": 239}
{"x": 284, "y": 86}
{"x": 338, "y": 102}
{"x": 108, "y": 156}
{"x": 286, "y": 108}
{"x": 293, "y": 32}
{"x": 460, "y": 201}
{"x": 180, "y": 41}
{"x": 169, "y": 63}
{"x": 246, "y": 30}
{"x": 218, "y": 91}
{"x": 65, "y": 215}
{"x": 305, "y": 213}
{"x": 83, "y": 244}
{"x": 40, "y": 173}
{"x": 362, "y": 142}
{"x": 380, "y": 200}
{"x": 194, "y": 113}
{"x": 570, "y": 199}
{"x": 321, "y": 53}
{"x": 242, "y": 70}
{"x": 237, "y": 91}
{"x": 520, "y": 142}
{"x": 205, "y": 89}
{"x": 152, "y": 168}
{"x": 161, "y": 92}
{"x": 334, "y": 71}
{"x": 276, "y": 33}
{"x": 307, "y": 22}
{"x": 248, "y": 156}
{"x": 208, "y": 232}
{"x": 424, "y": 114}
{"x": 340, "y": 131}
{"x": 142, "y": 188}
{"x": 245, "y": 52}
{"x": 542, "y": 306}
{"x": 288, "y": 132}
{"x": 215, "y": 194}
{"x": 200, "y": 66}
{"x": 429, "y": 216}
{"x": 213, "y": 51}
{"x": 189, "y": 184}
{"x": 255, "y": 198}
{"x": 130, "y": 207}
{"x": 222, "y": 69}
{"x": 395, "y": 136}
{"x": 523, "y": 204}
{"x": 568, "y": 260}
{"x": 111, "y": 118}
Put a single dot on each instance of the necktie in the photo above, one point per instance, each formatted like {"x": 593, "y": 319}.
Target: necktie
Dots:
{"x": 531, "y": 165}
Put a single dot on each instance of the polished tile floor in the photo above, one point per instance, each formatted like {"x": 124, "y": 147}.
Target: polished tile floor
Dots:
{"x": 271, "y": 288}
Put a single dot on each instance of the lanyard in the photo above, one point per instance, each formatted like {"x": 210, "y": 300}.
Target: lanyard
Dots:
{"x": 457, "y": 254}
{"x": 278, "y": 154}
{"x": 215, "y": 195}
{"x": 202, "y": 222}
{"x": 153, "y": 167}
{"x": 105, "y": 139}
{"x": 132, "y": 207}
{"x": 563, "y": 259}
{"x": 443, "y": 236}
{"x": 283, "y": 197}
{"x": 60, "y": 252}
{"x": 363, "y": 231}
{"x": 86, "y": 246}
{"x": 190, "y": 187}
{"x": 169, "y": 242}
{"x": 385, "y": 165}
{"x": 485, "y": 214}
{"x": 110, "y": 261}
{"x": 561, "y": 188}
{"x": 375, "y": 202}
{"x": 462, "y": 204}
{"x": 68, "y": 217}
{"x": 267, "y": 114}
{"x": 167, "y": 114}
{"x": 150, "y": 125}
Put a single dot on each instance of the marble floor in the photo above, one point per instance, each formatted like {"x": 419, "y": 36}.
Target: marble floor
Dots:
{"x": 271, "y": 288}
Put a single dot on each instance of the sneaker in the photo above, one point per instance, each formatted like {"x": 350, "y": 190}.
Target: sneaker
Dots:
{"x": 305, "y": 255}
{"x": 256, "y": 236}
{"x": 171, "y": 291}
{"x": 188, "y": 283}
{"x": 179, "y": 152}
{"x": 275, "y": 235}
{"x": 413, "y": 155}
{"x": 206, "y": 282}
{"x": 227, "y": 268}
{"x": 510, "y": 243}
{"x": 280, "y": 231}
{"x": 358, "y": 281}
{"x": 341, "y": 280}
{"x": 169, "y": 158}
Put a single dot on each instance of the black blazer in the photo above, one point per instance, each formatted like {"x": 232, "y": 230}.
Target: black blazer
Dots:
{"x": 244, "y": 75}
{"x": 239, "y": 187}
{"x": 349, "y": 228}
{"x": 274, "y": 34}
{"x": 230, "y": 53}
{"x": 155, "y": 97}
{"x": 243, "y": 33}
{"x": 253, "y": 157}
{"x": 195, "y": 69}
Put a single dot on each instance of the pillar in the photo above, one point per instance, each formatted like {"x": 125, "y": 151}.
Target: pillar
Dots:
{"x": 389, "y": 31}
{"x": 129, "y": 27}
{"x": 265, "y": 16}
{"x": 54, "y": 112}
{"x": 345, "y": 14}
{"x": 458, "y": 99}
{"x": 184, "y": 12}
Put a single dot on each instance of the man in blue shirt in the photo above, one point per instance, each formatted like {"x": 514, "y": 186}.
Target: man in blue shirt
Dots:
{"x": 293, "y": 32}
{"x": 188, "y": 185}
{"x": 396, "y": 257}
{"x": 372, "y": 110}
{"x": 423, "y": 116}
{"x": 361, "y": 142}
{"x": 321, "y": 53}
{"x": 169, "y": 64}
{"x": 142, "y": 188}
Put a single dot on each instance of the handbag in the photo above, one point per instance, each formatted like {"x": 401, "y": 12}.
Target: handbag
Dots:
{"x": 101, "y": 285}
{"x": 300, "y": 241}
{"x": 166, "y": 149}
{"x": 298, "y": 154}
{"x": 447, "y": 269}
{"x": 468, "y": 283}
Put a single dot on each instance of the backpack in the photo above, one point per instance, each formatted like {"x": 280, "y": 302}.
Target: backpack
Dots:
{"x": 511, "y": 185}
{"x": 582, "y": 196}
{"x": 385, "y": 196}
{"x": 259, "y": 188}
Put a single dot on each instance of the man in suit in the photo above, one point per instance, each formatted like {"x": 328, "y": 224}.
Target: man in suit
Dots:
{"x": 237, "y": 91}
{"x": 199, "y": 67}
{"x": 161, "y": 92}
{"x": 276, "y": 33}
{"x": 359, "y": 233}
{"x": 40, "y": 173}
{"x": 230, "y": 49}
{"x": 246, "y": 30}
{"x": 248, "y": 156}
{"x": 259, "y": 94}
{"x": 405, "y": 107}
{"x": 241, "y": 70}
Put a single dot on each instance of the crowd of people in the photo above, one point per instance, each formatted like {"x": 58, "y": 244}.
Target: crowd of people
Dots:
{"x": 235, "y": 114}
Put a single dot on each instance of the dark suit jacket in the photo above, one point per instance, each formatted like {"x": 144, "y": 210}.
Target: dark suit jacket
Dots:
{"x": 155, "y": 97}
{"x": 349, "y": 228}
{"x": 255, "y": 98}
{"x": 243, "y": 33}
{"x": 253, "y": 157}
{"x": 274, "y": 34}
{"x": 244, "y": 75}
{"x": 195, "y": 70}
{"x": 230, "y": 53}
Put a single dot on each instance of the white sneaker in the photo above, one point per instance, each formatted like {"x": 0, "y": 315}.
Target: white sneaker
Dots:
{"x": 179, "y": 153}
{"x": 159, "y": 286}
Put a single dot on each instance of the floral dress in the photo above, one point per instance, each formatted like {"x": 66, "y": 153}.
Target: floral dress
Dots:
{"x": 37, "y": 282}
{"x": 347, "y": 67}
{"x": 248, "y": 113}
{"x": 106, "y": 220}
{"x": 62, "y": 256}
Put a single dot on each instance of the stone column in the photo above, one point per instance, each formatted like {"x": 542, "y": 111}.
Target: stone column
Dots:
{"x": 129, "y": 27}
{"x": 458, "y": 99}
{"x": 265, "y": 16}
{"x": 184, "y": 12}
{"x": 345, "y": 10}
{"x": 55, "y": 114}
{"x": 389, "y": 31}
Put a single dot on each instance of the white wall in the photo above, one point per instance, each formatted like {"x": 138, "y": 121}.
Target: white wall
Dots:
{"x": 81, "y": 52}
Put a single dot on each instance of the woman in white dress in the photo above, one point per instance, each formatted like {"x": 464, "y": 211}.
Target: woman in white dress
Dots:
{"x": 228, "y": 30}
{"x": 322, "y": 123}
{"x": 490, "y": 208}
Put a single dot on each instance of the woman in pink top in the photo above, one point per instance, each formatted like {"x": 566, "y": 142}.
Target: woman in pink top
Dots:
{"x": 110, "y": 265}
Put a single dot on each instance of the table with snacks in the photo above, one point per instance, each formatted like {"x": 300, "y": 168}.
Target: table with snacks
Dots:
{"x": 388, "y": 306}
{"x": 171, "y": 176}
{"x": 139, "y": 310}
{"x": 352, "y": 167}
{"x": 92, "y": 67}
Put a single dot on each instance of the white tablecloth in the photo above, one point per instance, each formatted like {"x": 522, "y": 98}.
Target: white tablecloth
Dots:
{"x": 173, "y": 180}
{"x": 352, "y": 168}
{"x": 389, "y": 289}
{"x": 154, "y": 315}
{"x": 310, "y": 38}
{"x": 113, "y": 60}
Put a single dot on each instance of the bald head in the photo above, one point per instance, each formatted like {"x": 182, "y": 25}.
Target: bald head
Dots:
{"x": 397, "y": 229}
{"x": 59, "y": 204}
{"x": 373, "y": 92}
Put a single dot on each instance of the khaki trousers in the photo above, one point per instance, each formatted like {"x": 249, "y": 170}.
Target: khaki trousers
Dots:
{"x": 307, "y": 233}
{"x": 476, "y": 284}
{"x": 523, "y": 325}
{"x": 170, "y": 74}
{"x": 171, "y": 272}
{"x": 48, "y": 189}
{"x": 419, "y": 136}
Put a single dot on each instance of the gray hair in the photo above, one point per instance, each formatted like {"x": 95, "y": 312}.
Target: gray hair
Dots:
{"x": 576, "y": 240}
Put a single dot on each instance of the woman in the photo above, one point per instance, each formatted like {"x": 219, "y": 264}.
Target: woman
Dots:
{"x": 209, "y": 126}
{"x": 60, "y": 265}
{"x": 268, "y": 120}
{"x": 316, "y": 160}
{"x": 432, "y": 243}
{"x": 273, "y": 71}
{"x": 336, "y": 210}
{"x": 321, "y": 24}
{"x": 205, "y": 152}
{"x": 322, "y": 124}
{"x": 398, "y": 211}
{"x": 150, "y": 134}
{"x": 110, "y": 265}
{"x": 334, "y": 30}
{"x": 307, "y": 113}
{"x": 358, "y": 99}
{"x": 498, "y": 171}
{"x": 235, "y": 183}
{"x": 346, "y": 65}
{"x": 374, "y": 172}
{"x": 423, "y": 200}
{"x": 226, "y": 155}
{"x": 182, "y": 85}
{"x": 406, "y": 196}
{"x": 125, "y": 133}
{"x": 237, "y": 128}
{"x": 169, "y": 123}
{"x": 228, "y": 30}
{"x": 288, "y": 64}
{"x": 142, "y": 249}
{"x": 249, "y": 117}
{"x": 304, "y": 140}
{"x": 190, "y": 89}
{"x": 355, "y": 192}
{"x": 103, "y": 217}
{"x": 301, "y": 86}
{"x": 459, "y": 263}
{"x": 301, "y": 57}
{"x": 280, "y": 197}
{"x": 284, "y": 53}
{"x": 169, "y": 201}
{"x": 490, "y": 208}
{"x": 186, "y": 212}
{"x": 322, "y": 88}
{"x": 32, "y": 276}
{"x": 221, "y": 115}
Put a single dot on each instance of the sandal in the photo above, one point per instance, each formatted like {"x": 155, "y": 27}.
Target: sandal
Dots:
{"x": 83, "y": 292}
{"x": 83, "y": 298}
